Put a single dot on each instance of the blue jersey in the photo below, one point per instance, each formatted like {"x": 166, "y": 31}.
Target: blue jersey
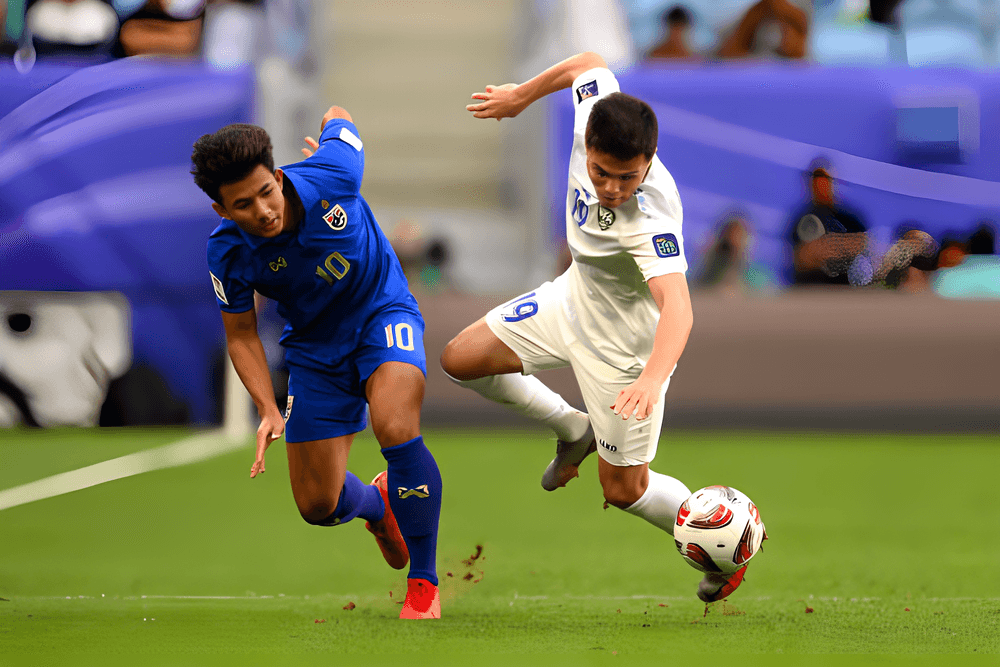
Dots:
{"x": 330, "y": 274}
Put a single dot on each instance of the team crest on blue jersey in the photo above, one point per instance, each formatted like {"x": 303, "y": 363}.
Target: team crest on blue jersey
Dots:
{"x": 586, "y": 90}
{"x": 336, "y": 218}
{"x": 666, "y": 245}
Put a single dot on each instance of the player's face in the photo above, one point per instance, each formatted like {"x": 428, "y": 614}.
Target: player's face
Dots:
{"x": 822, "y": 190}
{"x": 256, "y": 203}
{"x": 615, "y": 180}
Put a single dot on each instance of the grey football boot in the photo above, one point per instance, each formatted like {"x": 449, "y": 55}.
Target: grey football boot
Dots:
{"x": 569, "y": 456}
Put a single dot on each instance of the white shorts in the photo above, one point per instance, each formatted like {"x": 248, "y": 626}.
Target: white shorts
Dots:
{"x": 535, "y": 325}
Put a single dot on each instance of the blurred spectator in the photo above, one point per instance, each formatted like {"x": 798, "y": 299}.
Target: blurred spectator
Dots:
{"x": 770, "y": 27}
{"x": 975, "y": 275}
{"x": 725, "y": 264}
{"x": 8, "y": 40}
{"x": 676, "y": 25}
{"x": 830, "y": 245}
{"x": 233, "y": 33}
{"x": 826, "y": 238}
{"x": 71, "y": 30}
{"x": 163, "y": 27}
{"x": 424, "y": 259}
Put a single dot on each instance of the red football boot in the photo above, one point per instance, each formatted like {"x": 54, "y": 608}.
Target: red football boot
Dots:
{"x": 386, "y": 531}
{"x": 422, "y": 600}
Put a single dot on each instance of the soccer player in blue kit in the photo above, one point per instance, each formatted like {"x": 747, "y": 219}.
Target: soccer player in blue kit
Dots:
{"x": 304, "y": 236}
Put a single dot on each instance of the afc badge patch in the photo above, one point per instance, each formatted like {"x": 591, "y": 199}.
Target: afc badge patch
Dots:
{"x": 666, "y": 245}
{"x": 586, "y": 90}
{"x": 336, "y": 217}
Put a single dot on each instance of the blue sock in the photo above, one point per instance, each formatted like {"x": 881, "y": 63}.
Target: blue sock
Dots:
{"x": 415, "y": 497}
{"x": 357, "y": 499}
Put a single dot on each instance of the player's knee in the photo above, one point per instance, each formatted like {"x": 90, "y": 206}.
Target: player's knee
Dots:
{"x": 396, "y": 430}
{"x": 451, "y": 360}
{"x": 318, "y": 512}
{"x": 620, "y": 493}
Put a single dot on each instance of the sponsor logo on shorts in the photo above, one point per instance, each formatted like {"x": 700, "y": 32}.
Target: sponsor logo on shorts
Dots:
{"x": 586, "y": 90}
{"x": 336, "y": 218}
{"x": 607, "y": 446}
{"x": 420, "y": 491}
{"x": 666, "y": 245}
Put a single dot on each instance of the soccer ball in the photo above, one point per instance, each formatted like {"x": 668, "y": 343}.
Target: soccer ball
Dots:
{"x": 718, "y": 529}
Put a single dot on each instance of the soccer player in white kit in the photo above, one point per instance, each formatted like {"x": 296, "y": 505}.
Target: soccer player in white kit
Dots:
{"x": 619, "y": 316}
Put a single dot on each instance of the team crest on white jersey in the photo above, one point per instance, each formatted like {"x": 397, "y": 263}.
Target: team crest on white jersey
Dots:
{"x": 219, "y": 291}
{"x": 586, "y": 90}
{"x": 336, "y": 217}
{"x": 605, "y": 218}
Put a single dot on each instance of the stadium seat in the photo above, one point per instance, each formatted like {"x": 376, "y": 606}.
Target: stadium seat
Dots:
{"x": 839, "y": 44}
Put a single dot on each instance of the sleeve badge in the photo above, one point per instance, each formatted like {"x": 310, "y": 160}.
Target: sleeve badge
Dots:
{"x": 586, "y": 90}
{"x": 666, "y": 245}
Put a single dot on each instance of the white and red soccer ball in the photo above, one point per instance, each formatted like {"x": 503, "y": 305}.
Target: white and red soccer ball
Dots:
{"x": 718, "y": 529}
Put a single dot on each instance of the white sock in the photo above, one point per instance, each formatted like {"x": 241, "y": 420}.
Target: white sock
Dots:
{"x": 526, "y": 395}
{"x": 659, "y": 504}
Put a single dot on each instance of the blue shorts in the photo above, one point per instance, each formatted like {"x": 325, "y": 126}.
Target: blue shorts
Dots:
{"x": 330, "y": 402}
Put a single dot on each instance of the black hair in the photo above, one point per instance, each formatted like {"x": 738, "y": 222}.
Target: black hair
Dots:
{"x": 676, "y": 15}
{"x": 230, "y": 155}
{"x": 982, "y": 241}
{"x": 623, "y": 127}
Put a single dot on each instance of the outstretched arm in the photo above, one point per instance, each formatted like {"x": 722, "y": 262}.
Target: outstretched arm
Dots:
{"x": 509, "y": 100}
{"x": 670, "y": 292}
{"x": 250, "y": 362}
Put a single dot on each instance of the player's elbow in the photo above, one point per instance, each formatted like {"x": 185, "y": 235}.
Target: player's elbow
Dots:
{"x": 590, "y": 60}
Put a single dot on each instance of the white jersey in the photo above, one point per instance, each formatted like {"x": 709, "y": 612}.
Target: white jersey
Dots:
{"x": 615, "y": 251}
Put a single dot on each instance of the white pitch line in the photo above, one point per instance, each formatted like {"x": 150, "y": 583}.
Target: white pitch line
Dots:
{"x": 196, "y": 448}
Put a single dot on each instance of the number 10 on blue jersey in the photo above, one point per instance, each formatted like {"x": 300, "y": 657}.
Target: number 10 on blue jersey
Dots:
{"x": 403, "y": 337}
{"x": 338, "y": 272}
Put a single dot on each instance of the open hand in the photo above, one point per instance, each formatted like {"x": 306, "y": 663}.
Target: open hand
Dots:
{"x": 497, "y": 102}
{"x": 639, "y": 399}
{"x": 313, "y": 147}
{"x": 272, "y": 426}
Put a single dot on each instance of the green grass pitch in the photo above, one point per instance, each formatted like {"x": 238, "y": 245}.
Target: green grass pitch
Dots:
{"x": 883, "y": 545}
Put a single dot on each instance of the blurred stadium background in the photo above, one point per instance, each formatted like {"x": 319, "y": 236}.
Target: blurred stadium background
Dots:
{"x": 96, "y": 196}
{"x": 108, "y": 316}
